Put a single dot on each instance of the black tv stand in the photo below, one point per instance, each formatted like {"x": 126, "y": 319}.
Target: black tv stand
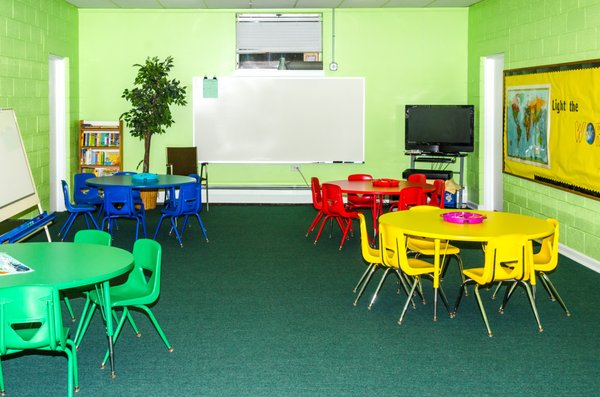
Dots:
{"x": 437, "y": 157}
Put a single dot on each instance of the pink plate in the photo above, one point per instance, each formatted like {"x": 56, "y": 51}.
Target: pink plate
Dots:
{"x": 463, "y": 217}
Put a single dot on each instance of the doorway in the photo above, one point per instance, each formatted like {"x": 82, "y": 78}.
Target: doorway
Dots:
{"x": 493, "y": 67}
{"x": 57, "y": 99}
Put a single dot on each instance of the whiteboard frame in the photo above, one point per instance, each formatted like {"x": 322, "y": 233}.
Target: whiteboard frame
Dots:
{"x": 232, "y": 93}
{"x": 27, "y": 201}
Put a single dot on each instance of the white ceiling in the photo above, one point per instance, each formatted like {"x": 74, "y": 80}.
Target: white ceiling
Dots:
{"x": 268, "y": 4}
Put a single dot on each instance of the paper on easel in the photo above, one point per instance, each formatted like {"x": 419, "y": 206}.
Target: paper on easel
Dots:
{"x": 9, "y": 265}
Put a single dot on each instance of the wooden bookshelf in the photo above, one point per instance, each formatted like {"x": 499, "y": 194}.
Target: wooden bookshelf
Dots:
{"x": 100, "y": 147}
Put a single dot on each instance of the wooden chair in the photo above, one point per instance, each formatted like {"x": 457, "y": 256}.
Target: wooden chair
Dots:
{"x": 184, "y": 161}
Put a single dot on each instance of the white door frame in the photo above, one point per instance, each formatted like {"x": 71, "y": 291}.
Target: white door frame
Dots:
{"x": 493, "y": 67}
{"x": 57, "y": 99}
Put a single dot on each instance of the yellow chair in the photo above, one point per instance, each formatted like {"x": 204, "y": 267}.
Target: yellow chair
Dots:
{"x": 425, "y": 246}
{"x": 507, "y": 258}
{"x": 371, "y": 255}
{"x": 391, "y": 264}
{"x": 394, "y": 253}
{"x": 545, "y": 261}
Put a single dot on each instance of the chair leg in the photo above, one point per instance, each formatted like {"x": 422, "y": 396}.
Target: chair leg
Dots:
{"x": 507, "y": 295}
{"x": 347, "y": 227}
{"x": 315, "y": 222}
{"x": 367, "y": 270}
{"x": 158, "y": 226}
{"x": 174, "y": 226}
{"x": 69, "y": 308}
{"x": 364, "y": 280}
{"x": 84, "y": 322}
{"x": 199, "y": 223}
{"x": 321, "y": 228}
{"x": 498, "y": 285}
{"x": 482, "y": 310}
{"x": 385, "y": 273}
{"x": 2, "y": 390}
{"x": 410, "y": 294}
{"x": 547, "y": 283}
{"x": 91, "y": 217}
{"x": 126, "y": 315}
{"x": 402, "y": 278}
{"x": 463, "y": 287}
{"x": 533, "y": 305}
{"x": 70, "y": 376}
{"x": 73, "y": 367}
{"x": 67, "y": 226}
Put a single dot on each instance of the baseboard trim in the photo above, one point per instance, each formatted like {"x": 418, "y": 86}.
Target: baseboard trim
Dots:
{"x": 260, "y": 195}
{"x": 578, "y": 257}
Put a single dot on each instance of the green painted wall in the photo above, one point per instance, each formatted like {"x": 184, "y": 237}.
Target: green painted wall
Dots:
{"x": 31, "y": 30}
{"x": 405, "y": 55}
{"x": 531, "y": 33}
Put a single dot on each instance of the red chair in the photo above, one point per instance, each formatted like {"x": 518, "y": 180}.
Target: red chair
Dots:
{"x": 334, "y": 208}
{"x": 409, "y": 197}
{"x": 317, "y": 201}
{"x": 360, "y": 200}
{"x": 436, "y": 198}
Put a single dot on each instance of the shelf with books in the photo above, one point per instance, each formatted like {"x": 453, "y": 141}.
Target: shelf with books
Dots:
{"x": 100, "y": 147}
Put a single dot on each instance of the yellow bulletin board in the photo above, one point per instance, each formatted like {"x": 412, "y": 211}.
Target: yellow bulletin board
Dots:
{"x": 552, "y": 125}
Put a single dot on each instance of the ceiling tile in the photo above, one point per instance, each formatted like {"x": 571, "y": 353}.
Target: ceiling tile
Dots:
{"x": 182, "y": 3}
{"x": 137, "y": 4}
{"x": 408, "y": 3}
{"x": 93, "y": 3}
{"x": 317, "y": 3}
{"x": 362, "y": 3}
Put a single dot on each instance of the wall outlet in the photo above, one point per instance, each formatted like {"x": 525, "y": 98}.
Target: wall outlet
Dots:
{"x": 295, "y": 167}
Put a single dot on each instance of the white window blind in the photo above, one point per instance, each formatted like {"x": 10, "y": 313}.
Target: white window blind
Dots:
{"x": 278, "y": 33}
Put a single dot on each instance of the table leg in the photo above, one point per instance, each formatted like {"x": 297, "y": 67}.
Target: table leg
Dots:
{"x": 436, "y": 276}
{"x": 376, "y": 210}
{"x": 109, "y": 326}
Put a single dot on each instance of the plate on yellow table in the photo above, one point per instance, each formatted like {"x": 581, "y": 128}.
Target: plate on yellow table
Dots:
{"x": 463, "y": 217}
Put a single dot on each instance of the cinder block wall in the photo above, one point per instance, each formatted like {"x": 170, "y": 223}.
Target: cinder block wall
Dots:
{"x": 30, "y": 31}
{"x": 531, "y": 33}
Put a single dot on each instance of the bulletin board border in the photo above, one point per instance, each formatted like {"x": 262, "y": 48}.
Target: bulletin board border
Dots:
{"x": 558, "y": 67}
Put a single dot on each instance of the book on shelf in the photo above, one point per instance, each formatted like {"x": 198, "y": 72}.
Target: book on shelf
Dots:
{"x": 10, "y": 265}
{"x": 101, "y": 124}
{"x": 95, "y": 138}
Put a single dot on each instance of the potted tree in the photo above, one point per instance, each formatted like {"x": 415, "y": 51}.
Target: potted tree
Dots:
{"x": 151, "y": 98}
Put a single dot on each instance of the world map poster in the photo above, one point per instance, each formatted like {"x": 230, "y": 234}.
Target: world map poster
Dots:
{"x": 528, "y": 124}
{"x": 551, "y": 125}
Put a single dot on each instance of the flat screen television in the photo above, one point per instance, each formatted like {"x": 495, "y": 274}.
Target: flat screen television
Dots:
{"x": 439, "y": 128}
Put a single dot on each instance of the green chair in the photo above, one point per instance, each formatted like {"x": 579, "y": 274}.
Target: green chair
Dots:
{"x": 30, "y": 319}
{"x": 86, "y": 236}
{"x": 140, "y": 290}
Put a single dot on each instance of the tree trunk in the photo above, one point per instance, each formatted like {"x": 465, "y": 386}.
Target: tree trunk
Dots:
{"x": 147, "y": 139}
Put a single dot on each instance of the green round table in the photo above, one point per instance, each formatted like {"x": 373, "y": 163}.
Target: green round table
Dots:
{"x": 70, "y": 265}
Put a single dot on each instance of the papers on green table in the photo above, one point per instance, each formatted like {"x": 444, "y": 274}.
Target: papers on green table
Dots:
{"x": 9, "y": 265}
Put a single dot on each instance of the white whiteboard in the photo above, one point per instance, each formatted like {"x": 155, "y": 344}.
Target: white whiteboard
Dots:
{"x": 280, "y": 120}
{"x": 17, "y": 190}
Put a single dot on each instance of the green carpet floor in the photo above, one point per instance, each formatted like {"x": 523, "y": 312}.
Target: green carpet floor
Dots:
{"x": 262, "y": 311}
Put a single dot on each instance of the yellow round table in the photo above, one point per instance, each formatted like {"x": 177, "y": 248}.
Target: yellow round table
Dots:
{"x": 430, "y": 224}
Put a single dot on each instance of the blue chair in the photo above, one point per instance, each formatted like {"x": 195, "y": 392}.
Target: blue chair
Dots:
{"x": 137, "y": 198}
{"x": 118, "y": 203}
{"x": 84, "y": 194}
{"x": 188, "y": 203}
{"x": 74, "y": 211}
